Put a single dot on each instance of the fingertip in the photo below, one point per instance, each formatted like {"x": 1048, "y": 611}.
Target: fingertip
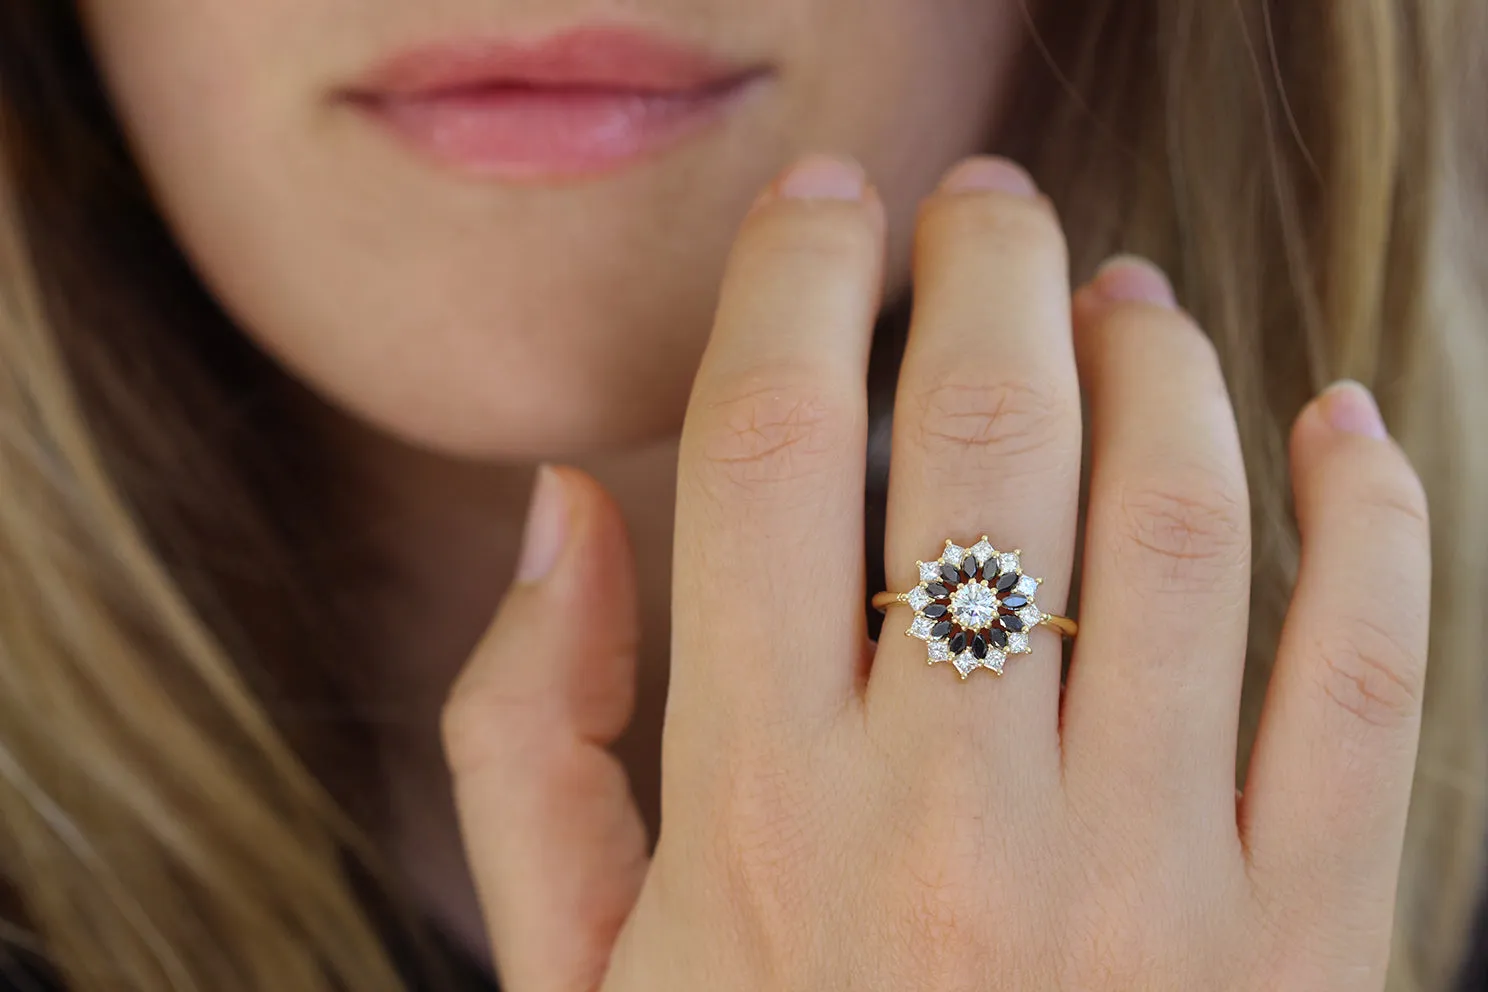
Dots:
{"x": 1132, "y": 279}
{"x": 599, "y": 546}
{"x": 575, "y": 553}
{"x": 819, "y": 178}
{"x": 822, "y": 177}
{"x": 1347, "y": 406}
{"x": 1121, "y": 280}
{"x": 820, "y": 183}
{"x": 1343, "y": 413}
{"x": 1340, "y": 447}
{"x": 547, "y": 528}
{"x": 566, "y": 508}
{"x": 989, "y": 173}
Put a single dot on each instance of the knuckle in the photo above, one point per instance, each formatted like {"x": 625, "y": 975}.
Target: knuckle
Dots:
{"x": 478, "y": 725}
{"x": 945, "y": 928}
{"x": 1116, "y": 957}
{"x": 948, "y": 918}
{"x": 1397, "y": 503}
{"x": 948, "y": 946}
{"x": 1298, "y": 924}
{"x": 1030, "y": 224}
{"x": 987, "y": 422}
{"x": 1183, "y": 531}
{"x": 1133, "y": 935}
{"x": 762, "y": 795}
{"x": 1371, "y": 676}
{"x": 762, "y": 429}
{"x": 763, "y": 837}
{"x": 1373, "y": 488}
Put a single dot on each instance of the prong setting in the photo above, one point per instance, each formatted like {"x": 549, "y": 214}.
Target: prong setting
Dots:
{"x": 974, "y": 607}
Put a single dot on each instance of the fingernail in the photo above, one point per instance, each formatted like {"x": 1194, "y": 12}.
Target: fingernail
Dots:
{"x": 989, "y": 174}
{"x": 822, "y": 177}
{"x": 547, "y": 527}
{"x": 1349, "y": 406}
{"x": 1132, "y": 279}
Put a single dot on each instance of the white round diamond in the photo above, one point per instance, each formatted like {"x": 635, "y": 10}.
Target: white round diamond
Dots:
{"x": 973, "y": 606}
{"x": 1018, "y": 644}
{"x": 995, "y": 660}
{"x": 1027, "y": 585}
{"x": 921, "y": 628}
{"x": 1007, "y": 561}
{"x": 929, "y": 571}
{"x": 982, "y": 551}
{"x": 918, "y": 598}
{"x": 940, "y": 651}
{"x": 1030, "y": 615}
{"x": 966, "y": 663}
{"x": 953, "y": 555}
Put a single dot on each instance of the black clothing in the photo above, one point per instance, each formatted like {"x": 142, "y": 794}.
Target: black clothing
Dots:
{"x": 20, "y": 973}
{"x": 452, "y": 972}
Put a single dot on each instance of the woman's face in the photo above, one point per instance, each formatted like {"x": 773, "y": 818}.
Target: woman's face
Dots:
{"x": 495, "y": 228}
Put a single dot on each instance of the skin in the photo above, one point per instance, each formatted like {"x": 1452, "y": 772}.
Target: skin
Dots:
{"x": 835, "y": 816}
{"x": 411, "y": 298}
{"x": 424, "y": 309}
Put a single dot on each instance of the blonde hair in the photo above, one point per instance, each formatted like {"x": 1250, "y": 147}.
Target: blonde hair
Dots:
{"x": 1300, "y": 169}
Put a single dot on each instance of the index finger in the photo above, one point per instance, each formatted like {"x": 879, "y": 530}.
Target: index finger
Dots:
{"x": 768, "y": 601}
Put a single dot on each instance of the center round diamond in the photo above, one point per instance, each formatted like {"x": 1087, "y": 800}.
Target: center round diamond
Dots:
{"x": 973, "y": 605}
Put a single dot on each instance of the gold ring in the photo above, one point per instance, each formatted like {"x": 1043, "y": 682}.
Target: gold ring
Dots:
{"x": 974, "y": 607}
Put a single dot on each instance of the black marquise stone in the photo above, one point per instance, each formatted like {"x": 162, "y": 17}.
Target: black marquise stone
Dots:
{"x": 935, "y": 611}
{"x": 968, "y": 567}
{"x": 1013, "y": 602}
{"x": 1012, "y": 623}
{"x": 958, "y": 643}
{"x": 997, "y": 637}
{"x": 979, "y": 647}
{"x": 941, "y": 629}
{"x": 937, "y": 591}
{"x": 951, "y": 574}
{"x": 1007, "y": 581}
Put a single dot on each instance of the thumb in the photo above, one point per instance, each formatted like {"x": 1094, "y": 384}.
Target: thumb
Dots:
{"x": 553, "y": 836}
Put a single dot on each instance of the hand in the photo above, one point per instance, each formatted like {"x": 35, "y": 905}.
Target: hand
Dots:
{"x": 830, "y": 827}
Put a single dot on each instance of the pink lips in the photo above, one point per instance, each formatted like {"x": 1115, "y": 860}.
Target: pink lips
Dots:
{"x": 579, "y": 103}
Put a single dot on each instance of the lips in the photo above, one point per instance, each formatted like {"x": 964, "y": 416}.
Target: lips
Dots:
{"x": 581, "y": 103}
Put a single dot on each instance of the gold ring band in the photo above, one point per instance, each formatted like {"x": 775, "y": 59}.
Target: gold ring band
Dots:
{"x": 974, "y": 607}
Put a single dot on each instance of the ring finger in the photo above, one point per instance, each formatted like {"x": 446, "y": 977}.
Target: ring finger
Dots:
{"x": 986, "y": 441}
{"x": 1166, "y": 571}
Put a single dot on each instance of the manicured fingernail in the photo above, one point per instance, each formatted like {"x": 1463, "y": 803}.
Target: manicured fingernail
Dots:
{"x": 1350, "y": 407}
{"x": 547, "y": 527}
{"x": 1131, "y": 279}
{"x": 988, "y": 174}
{"x": 822, "y": 177}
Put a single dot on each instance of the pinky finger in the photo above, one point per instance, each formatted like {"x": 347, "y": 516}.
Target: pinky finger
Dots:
{"x": 1323, "y": 814}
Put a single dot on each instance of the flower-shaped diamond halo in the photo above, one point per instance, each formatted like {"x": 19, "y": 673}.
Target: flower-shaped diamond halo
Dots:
{"x": 974, "y": 607}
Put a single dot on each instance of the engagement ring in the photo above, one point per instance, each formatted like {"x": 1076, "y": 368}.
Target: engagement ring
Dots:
{"x": 974, "y": 607}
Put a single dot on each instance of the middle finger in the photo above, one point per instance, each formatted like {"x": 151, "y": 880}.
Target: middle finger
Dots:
{"x": 986, "y": 441}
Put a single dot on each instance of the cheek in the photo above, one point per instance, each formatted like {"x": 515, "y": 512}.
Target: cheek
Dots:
{"x": 913, "y": 85}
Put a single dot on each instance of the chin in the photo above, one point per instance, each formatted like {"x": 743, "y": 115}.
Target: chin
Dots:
{"x": 559, "y": 410}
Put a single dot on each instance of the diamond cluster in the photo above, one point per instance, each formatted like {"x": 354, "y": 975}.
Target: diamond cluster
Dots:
{"x": 974, "y": 607}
